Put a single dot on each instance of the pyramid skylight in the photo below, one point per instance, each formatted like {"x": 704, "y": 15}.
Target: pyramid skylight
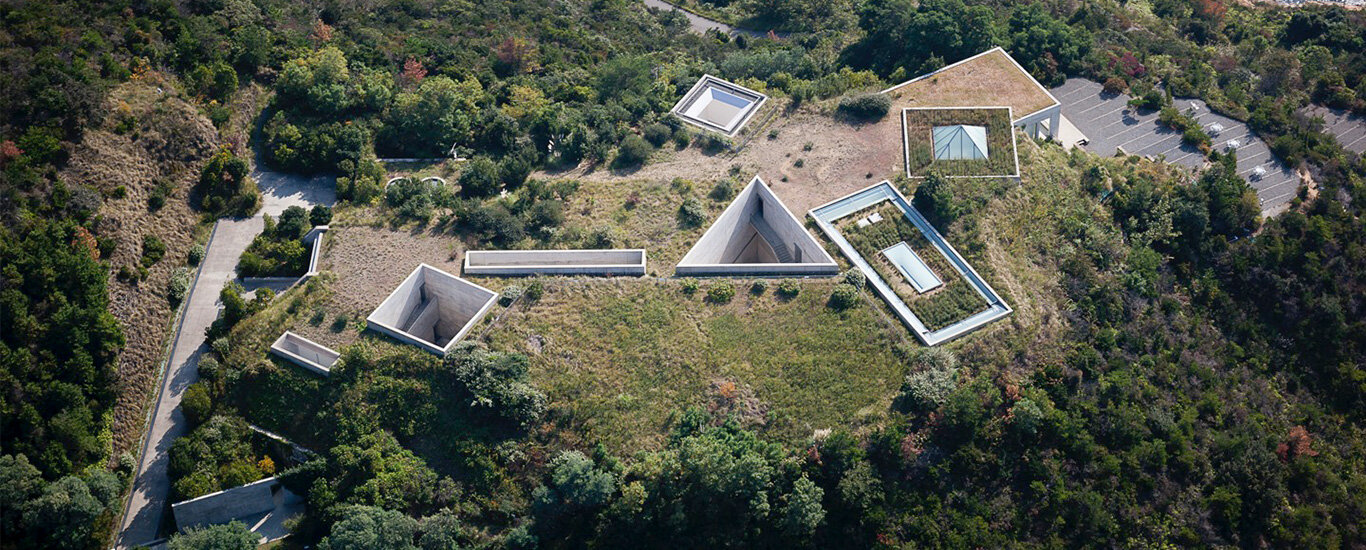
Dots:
{"x": 960, "y": 142}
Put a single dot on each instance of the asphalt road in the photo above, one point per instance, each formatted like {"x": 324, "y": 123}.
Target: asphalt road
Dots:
{"x": 1109, "y": 124}
{"x": 147, "y": 508}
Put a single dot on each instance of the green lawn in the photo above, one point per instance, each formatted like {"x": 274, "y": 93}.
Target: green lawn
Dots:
{"x": 619, "y": 359}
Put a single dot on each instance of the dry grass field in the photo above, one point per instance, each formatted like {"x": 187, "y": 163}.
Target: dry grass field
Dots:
{"x": 990, "y": 80}
{"x": 164, "y": 139}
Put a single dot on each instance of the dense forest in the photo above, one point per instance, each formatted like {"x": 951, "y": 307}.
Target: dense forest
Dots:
{"x": 1207, "y": 387}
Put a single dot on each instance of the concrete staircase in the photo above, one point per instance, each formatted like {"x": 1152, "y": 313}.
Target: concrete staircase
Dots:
{"x": 779, "y": 247}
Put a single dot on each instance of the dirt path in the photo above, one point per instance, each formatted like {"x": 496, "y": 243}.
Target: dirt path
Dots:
{"x": 145, "y": 513}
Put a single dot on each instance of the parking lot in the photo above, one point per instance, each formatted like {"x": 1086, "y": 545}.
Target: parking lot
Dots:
{"x": 1349, "y": 129}
{"x": 1109, "y": 125}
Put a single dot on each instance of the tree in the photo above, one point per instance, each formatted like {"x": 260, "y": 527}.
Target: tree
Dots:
{"x": 802, "y": 512}
{"x": 934, "y": 198}
{"x": 20, "y": 482}
{"x": 371, "y": 528}
{"x": 429, "y": 120}
{"x": 64, "y": 515}
{"x": 225, "y": 187}
{"x": 232, "y": 536}
{"x": 320, "y": 215}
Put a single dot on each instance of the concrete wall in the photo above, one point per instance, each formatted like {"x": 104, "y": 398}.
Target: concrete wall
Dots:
{"x": 305, "y": 353}
{"x": 224, "y": 506}
{"x": 555, "y": 262}
{"x": 453, "y": 305}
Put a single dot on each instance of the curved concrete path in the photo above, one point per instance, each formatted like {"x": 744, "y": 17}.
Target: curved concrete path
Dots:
{"x": 145, "y": 513}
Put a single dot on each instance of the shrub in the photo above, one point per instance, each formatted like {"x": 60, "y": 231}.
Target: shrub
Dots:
{"x": 714, "y": 143}
{"x": 865, "y": 107}
{"x": 197, "y": 404}
{"x": 758, "y": 287}
{"x": 152, "y": 250}
{"x": 789, "y": 288}
{"x": 156, "y": 198}
{"x": 497, "y": 384}
{"x": 855, "y": 277}
{"x": 1114, "y": 85}
{"x": 657, "y": 134}
{"x": 534, "y": 291}
{"x": 632, "y": 152}
{"x": 689, "y": 286}
{"x": 178, "y": 286}
{"x": 480, "y": 179}
{"x": 1150, "y": 101}
{"x": 928, "y": 390}
{"x": 800, "y": 163}
{"x": 681, "y": 138}
{"x": 723, "y": 190}
{"x": 844, "y": 296}
{"x": 691, "y": 213}
{"x": 196, "y": 254}
{"x": 720, "y": 293}
{"x": 510, "y": 295}
{"x": 320, "y": 215}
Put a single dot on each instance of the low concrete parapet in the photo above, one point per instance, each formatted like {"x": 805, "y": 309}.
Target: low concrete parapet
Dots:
{"x": 305, "y": 353}
{"x": 629, "y": 262}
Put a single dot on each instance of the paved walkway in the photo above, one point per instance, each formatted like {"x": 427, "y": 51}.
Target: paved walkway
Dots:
{"x": 143, "y": 519}
{"x": 1109, "y": 124}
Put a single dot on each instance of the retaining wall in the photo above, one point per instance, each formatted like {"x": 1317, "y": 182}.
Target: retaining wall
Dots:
{"x": 224, "y": 506}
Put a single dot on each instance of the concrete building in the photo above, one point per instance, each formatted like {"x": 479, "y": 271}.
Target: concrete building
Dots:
{"x": 263, "y": 506}
{"x": 432, "y": 309}
{"x": 757, "y": 235}
{"x": 992, "y": 77}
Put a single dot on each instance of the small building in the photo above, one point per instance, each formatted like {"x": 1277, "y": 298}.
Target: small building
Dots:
{"x": 432, "y": 309}
{"x": 305, "y": 353}
{"x": 717, "y": 105}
